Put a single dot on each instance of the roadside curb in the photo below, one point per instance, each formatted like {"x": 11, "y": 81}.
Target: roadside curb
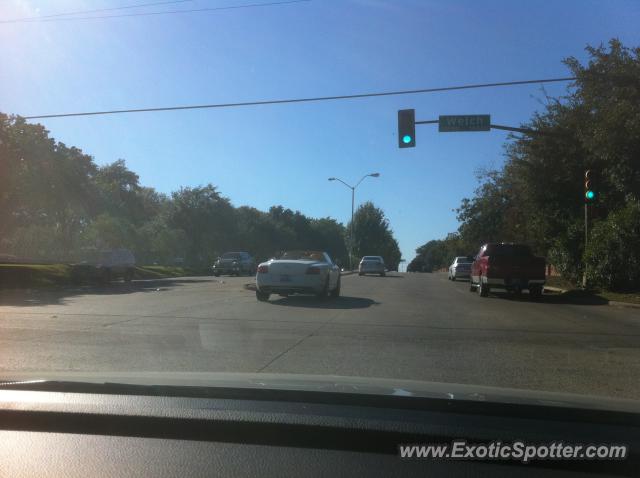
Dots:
{"x": 614, "y": 303}
{"x": 554, "y": 289}
{"x": 624, "y": 304}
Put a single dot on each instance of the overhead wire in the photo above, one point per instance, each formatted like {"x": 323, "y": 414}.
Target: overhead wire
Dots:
{"x": 83, "y": 12}
{"x": 167, "y": 12}
{"x": 301, "y": 100}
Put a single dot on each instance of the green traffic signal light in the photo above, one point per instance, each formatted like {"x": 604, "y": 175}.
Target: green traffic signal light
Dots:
{"x": 590, "y": 186}
{"x": 406, "y": 128}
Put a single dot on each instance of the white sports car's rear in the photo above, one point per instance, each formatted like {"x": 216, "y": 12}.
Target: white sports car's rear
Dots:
{"x": 298, "y": 272}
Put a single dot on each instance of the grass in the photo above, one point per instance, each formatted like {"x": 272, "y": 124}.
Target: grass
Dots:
{"x": 46, "y": 275}
{"x": 630, "y": 298}
{"x": 34, "y": 275}
{"x": 574, "y": 290}
{"x": 560, "y": 282}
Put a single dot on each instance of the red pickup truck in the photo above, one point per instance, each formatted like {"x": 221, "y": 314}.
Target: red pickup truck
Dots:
{"x": 507, "y": 266}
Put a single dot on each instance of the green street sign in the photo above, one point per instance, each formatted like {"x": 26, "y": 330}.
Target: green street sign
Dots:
{"x": 448, "y": 124}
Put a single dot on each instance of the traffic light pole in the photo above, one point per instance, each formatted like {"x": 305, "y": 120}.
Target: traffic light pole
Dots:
{"x": 590, "y": 195}
{"x": 586, "y": 238}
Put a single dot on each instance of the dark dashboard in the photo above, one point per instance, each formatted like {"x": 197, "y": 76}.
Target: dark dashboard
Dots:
{"x": 110, "y": 429}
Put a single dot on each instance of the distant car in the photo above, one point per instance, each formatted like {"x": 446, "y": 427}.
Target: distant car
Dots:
{"x": 117, "y": 263}
{"x": 371, "y": 265}
{"x": 234, "y": 263}
{"x": 460, "y": 268}
{"x": 298, "y": 272}
{"x": 105, "y": 266}
{"x": 508, "y": 266}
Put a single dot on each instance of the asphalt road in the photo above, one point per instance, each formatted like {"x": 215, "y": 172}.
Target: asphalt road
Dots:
{"x": 410, "y": 326}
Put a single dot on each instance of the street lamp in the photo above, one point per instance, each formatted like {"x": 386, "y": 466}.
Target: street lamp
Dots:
{"x": 353, "y": 195}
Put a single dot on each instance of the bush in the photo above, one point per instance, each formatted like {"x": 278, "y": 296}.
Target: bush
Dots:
{"x": 566, "y": 253}
{"x": 613, "y": 252}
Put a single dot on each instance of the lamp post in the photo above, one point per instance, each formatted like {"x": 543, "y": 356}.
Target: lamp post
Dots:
{"x": 353, "y": 196}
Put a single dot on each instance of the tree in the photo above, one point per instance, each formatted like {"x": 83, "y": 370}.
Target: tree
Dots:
{"x": 329, "y": 235}
{"x": 613, "y": 251}
{"x": 109, "y": 232}
{"x": 373, "y": 236}
{"x": 43, "y": 185}
{"x": 57, "y": 204}
{"x": 438, "y": 254}
{"x": 207, "y": 219}
{"x": 537, "y": 196}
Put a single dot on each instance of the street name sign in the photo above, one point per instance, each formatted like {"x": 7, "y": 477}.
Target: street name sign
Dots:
{"x": 451, "y": 123}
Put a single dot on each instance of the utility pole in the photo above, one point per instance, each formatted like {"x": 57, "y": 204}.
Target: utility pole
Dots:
{"x": 353, "y": 201}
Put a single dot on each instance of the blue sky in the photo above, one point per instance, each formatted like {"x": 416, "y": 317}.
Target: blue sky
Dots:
{"x": 266, "y": 155}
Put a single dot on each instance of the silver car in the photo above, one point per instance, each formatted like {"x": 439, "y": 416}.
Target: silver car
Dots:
{"x": 234, "y": 263}
{"x": 371, "y": 265}
{"x": 460, "y": 268}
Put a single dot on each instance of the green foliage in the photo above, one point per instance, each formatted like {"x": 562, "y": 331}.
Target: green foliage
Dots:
{"x": 613, "y": 250}
{"x": 56, "y": 204}
{"x": 537, "y": 196}
{"x": 108, "y": 232}
{"x": 373, "y": 236}
{"x": 566, "y": 252}
{"x": 438, "y": 254}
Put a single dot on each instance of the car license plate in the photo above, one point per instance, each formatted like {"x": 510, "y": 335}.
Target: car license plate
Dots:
{"x": 285, "y": 278}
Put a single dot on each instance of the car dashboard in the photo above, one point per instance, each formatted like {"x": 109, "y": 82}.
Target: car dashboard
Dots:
{"x": 70, "y": 429}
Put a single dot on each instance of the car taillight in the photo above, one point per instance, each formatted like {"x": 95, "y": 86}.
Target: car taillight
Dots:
{"x": 263, "y": 269}
{"x": 313, "y": 270}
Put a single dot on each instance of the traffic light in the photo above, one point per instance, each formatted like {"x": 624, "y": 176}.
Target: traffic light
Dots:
{"x": 590, "y": 188}
{"x": 407, "y": 128}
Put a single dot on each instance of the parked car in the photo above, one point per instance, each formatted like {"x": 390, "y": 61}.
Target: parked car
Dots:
{"x": 371, "y": 265}
{"x": 509, "y": 266}
{"x": 460, "y": 268}
{"x": 234, "y": 263}
{"x": 105, "y": 266}
{"x": 116, "y": 263}
{"x": 298, "y": 272}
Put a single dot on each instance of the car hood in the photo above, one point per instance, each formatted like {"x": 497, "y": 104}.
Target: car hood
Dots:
{"x": 339, "y": 384}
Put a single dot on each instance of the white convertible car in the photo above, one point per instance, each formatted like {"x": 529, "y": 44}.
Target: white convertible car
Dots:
{"x": 298, "y": 272}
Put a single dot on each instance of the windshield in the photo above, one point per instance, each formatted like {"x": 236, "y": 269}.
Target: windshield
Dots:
{"x": 303, "y": 255}
{"x": 507, "y": 250}
{"x": 231, "y": 255}
{"x": 171, "y": 171}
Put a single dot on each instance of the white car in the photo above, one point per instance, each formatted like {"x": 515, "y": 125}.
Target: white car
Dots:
{"x": 371, "y": 265}
{"x": 298, "y": 272}
{"x": 460, "y": 268}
